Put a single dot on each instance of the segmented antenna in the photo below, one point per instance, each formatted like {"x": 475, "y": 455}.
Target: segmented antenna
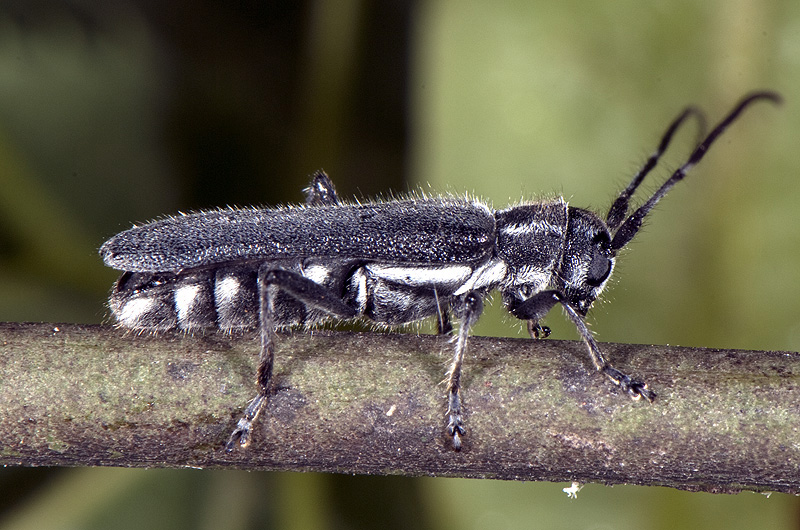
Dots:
{"x": 618, "y": 210}
{"x": 633, "y": 223}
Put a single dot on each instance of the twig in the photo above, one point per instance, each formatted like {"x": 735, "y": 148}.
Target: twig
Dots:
{"x": 373, "y": 403}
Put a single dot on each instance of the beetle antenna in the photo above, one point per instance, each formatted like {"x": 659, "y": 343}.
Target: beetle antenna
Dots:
{"x": 633, "y": 223}
{"x": 618, "y": 210}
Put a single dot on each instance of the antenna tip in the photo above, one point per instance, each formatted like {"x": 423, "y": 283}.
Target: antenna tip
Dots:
{"x": 763, "y": 94}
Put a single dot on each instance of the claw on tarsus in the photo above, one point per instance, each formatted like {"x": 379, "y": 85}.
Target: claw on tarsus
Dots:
{"x": 241, "y": 434}
{"x": 455, "y": 430}
{"x": 635, "y": 389}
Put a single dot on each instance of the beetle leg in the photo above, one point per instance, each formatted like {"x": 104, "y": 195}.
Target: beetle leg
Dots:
{"x": 542, "y": 302}
{"x": 306, "y": 291}
{"x": 537, "y": 331}
{"x": 635, "y": 389}
{"x": 443, "y": 324}
{"x": 471, "y": 309}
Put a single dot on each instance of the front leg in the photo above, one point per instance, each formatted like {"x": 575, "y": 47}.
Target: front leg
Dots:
{"x": 635, "y": 389}
{"x": 537, "y": 331}
{"x": 310, "y": 293}
{"x": 539, "y": 304}
{"x": 470, "y": 310}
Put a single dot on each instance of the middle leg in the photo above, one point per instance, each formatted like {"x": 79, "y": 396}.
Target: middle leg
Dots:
{"x": 471, "y": 309}
{"x": 311, "y": 294}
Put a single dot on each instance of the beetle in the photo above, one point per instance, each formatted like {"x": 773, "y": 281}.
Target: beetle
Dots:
{"x": 391, "y": 262}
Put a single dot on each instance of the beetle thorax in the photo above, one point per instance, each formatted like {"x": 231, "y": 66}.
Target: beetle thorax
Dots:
{"x": 530, "y": 240}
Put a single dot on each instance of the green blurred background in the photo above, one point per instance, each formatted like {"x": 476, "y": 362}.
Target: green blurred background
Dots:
{"x": 117, "y": 112}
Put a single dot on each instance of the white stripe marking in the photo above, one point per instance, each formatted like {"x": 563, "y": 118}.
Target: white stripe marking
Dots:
{"x": 185, "y": 295}
{"x": 317, "y": 273}
{"x": 533, "y": 226}
{"x": 422, "y": 276}
{"x": 488, "y": 275}
{"x": 226, "y": 290}
{"x": 133, "y": 310}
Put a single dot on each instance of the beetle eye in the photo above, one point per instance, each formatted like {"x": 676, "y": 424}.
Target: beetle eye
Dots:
{"x": 600, "y": 266}
{"x": 599, "y": 269}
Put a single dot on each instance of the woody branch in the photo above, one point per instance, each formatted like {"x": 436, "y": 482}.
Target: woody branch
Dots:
{"x": 371, "y": 403}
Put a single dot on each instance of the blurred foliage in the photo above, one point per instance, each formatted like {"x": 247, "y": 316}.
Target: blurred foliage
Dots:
{"x": 113, "y": 115}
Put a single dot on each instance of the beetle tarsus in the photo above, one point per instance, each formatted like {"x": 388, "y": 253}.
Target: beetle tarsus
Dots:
{"x": 241, "y": 435}
{"x": 634, "y": 388}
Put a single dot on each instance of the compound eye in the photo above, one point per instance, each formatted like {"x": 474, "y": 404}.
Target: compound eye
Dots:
{"x": 599, "y": 269}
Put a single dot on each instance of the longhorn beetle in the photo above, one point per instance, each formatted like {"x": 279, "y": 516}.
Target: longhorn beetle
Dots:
{"x": 392, "y": 262}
